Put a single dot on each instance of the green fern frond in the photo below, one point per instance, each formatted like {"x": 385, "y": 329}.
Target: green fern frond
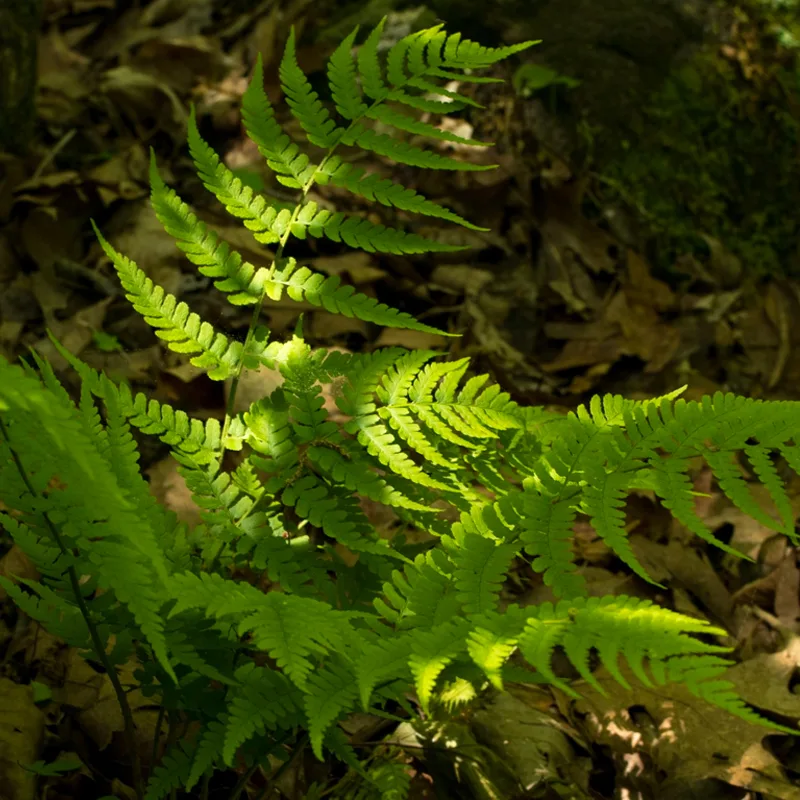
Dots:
{"x": 200, "y": 439}
{"x": 331, "y": 691}
{"x": 480, "y": 563}
{"x": 432, "y": 650}
{"x": 304, "y": 101}
{"x": 122, "y": 550}
{"x": 293, "y": 168}
{"x": 381, "y": 660}
{"x": 207, "y": 751}
{"x": 337, "y": 513}
{"x": 343, "y": 80}
{"x": 545, "y": 522}
{"x": 58, "y": 615}
{"x": 636, "y": 629}
{"x": 492, "y": 641}
{"x": 287, "y": 627}
{"x": 291, "y": 563}
{"x": 183, "y": 331}
{"x": 262, "y": 700}
{"x": 301, "y": 284}
{"x": 269, "y": 434}
{"x": 358, "y": 232}
{"x": 383, "y": 144}
{"x": 396, "y": 119}
{"x": 349, "y": 469}
{"x": 267, "y": 222}
{"x": 173, "y": 771}
{"x": 423, "y": 595}
{"x": 373, "y": 187}
{"x": 203, "y": 247}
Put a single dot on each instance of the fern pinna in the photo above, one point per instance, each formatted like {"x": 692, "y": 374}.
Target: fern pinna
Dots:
{"x": 353, "y": 618}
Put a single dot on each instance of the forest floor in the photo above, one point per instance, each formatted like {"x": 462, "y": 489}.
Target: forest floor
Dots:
{"x": 557, "y": 302}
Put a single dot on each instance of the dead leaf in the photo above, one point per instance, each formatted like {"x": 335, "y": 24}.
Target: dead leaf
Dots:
{"x": 75, "y": 334}
{"x": 168, "y": 486}
{"x": 16, "y": 564}
{"x": 682, "y": 737}
{"x": 357, "y": 268}
{"x": 99, "y": 714}
{"x": 21, "y": 736}
{"x": 642, "y": 288}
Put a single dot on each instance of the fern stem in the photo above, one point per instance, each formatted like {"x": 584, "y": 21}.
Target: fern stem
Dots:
{"x": 300, "y": 745}
{"x": 244, "y": 779}
{"x": 94, "y": 635}
{"x": 157, "y": 736}
{"x": 206, "y": 786}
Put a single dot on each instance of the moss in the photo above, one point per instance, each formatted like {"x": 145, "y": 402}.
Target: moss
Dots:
{"x": 716, "y": 153}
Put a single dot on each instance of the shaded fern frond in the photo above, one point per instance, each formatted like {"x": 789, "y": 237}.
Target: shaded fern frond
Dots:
{"x": 287, "y": 627}
{"x": 331, "y": 691}
{"x": 46, "y": 434}
{"x": 262, "y": 700}
{"x": 200, "y": 438}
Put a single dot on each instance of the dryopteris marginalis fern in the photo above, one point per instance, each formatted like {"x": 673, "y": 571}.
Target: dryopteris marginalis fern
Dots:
{"x": 354, "y": 617}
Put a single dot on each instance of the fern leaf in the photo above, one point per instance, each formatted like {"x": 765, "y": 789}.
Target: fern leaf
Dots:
{"x": 301, "y": 284}
{"x": 289, "y": 628}
{"x": 262, "y": 700}
{"x": 337, "y": 514}
{"x": 636, "y": 629}
{"x": 357, "y": 476}
{"x": 373, "y": 187}
{"x": 766, "y": 472}
{"x": 330, "y": 692}
{"x": 304, "y": 101}
{"x": 183, "y": 331}
{"x": 384, "y": 145}
{"x": 423, "y": 595}
{"x": 493, "y": 640}
{"x": 728, "y": 474}
{"x": 547, "y": 534}
{"x": 266, "y": 221}
{"x": 208, "y": 750}
{"x": 465, "y": 54}
{"x": 432, "y": 650}
{"x": 369, "y": 67}
{"x": 381, "y": 660}
{"x": 404, "y": 122}
{"x": 283, "y": 155}
{"x": 342, "y": 80}
{"x": 174, "y": 427}
{"x": 203, "y": 247}
{"x": 358, "y": 232}
{"x": 480, "y": 563}
{"x": 172, "y": 773}
{"x": 104, "y": 526}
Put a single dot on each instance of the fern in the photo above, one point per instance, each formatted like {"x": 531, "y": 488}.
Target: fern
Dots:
{"x": 285, "y": 609}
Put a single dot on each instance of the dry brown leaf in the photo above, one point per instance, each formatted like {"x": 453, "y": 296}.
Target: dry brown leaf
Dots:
{"x": 682, "y": 738}
{"x": 15, "y": 564}
{"x": 641, "y": 287}
{"x": 168, "y": 486}
{"x": 99, "y": 714}
{"x": 21, "y": 736}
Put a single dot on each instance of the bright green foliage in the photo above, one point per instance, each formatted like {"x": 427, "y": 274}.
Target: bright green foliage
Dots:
{"x": 288, "y": 608}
